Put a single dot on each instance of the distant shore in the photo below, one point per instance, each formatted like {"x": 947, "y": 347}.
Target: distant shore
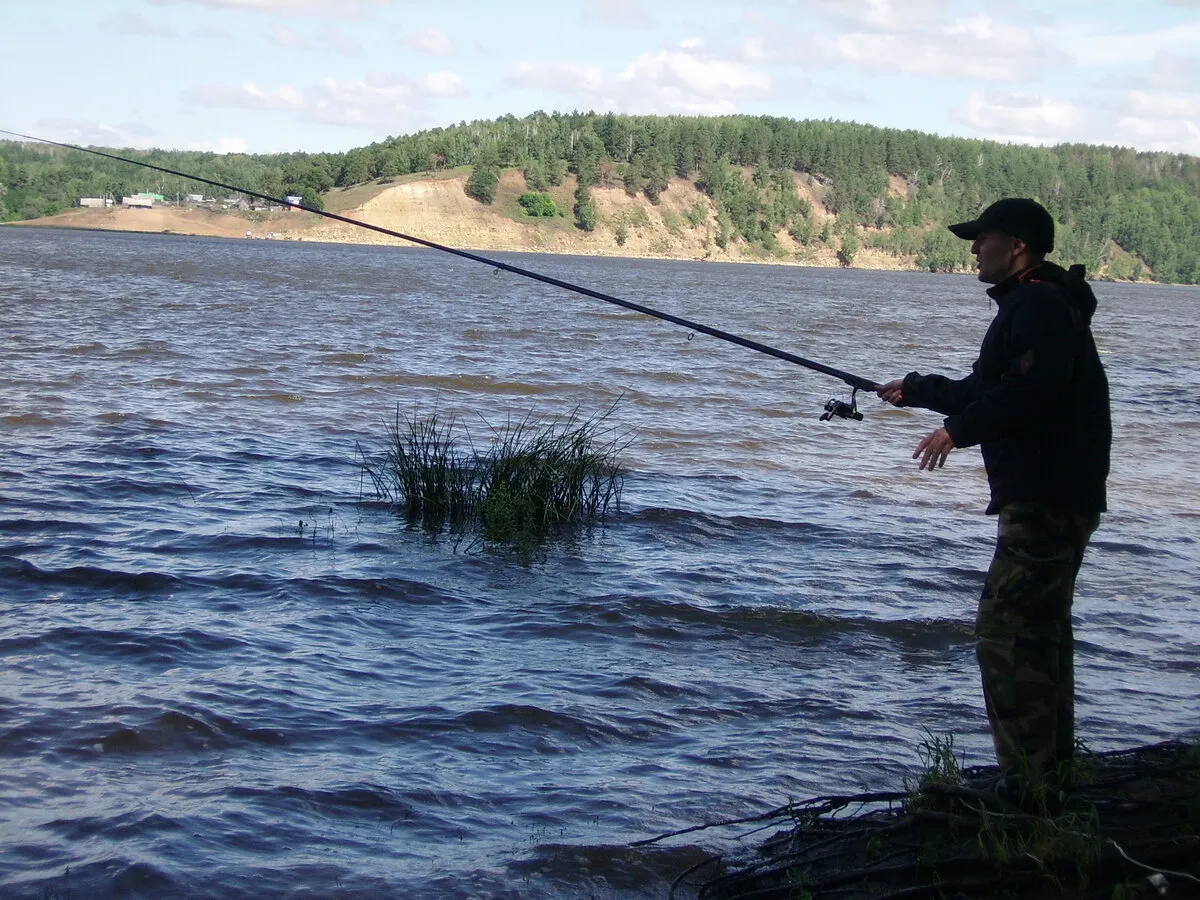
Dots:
{"x": 435, "y": 207}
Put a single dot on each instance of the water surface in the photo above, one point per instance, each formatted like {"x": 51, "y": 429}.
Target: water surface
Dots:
{"x": 225, "y": 676}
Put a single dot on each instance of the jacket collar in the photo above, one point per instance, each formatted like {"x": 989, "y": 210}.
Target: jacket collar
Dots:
{"x": 1039, "y": 271}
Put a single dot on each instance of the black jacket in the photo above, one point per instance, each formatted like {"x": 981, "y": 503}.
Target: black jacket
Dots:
{"x": 1036, "y": 400}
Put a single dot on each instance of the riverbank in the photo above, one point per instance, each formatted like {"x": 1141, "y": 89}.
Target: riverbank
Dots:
{"x": 435, "y": 207}
{"x": 1128, "y": 830}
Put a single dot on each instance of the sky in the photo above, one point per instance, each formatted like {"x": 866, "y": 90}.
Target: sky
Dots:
{"x": 266, "y": 76}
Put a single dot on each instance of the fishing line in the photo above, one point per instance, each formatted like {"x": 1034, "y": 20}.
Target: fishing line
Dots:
{"x": 838, "y": 408}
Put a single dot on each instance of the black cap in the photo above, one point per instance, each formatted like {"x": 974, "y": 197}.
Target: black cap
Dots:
{"x": 1022, "y": 218}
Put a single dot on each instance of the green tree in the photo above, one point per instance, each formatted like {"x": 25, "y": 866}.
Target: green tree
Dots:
{"x": 538, "y": 204}
{"x": 653, "y": 172}
{"x": 586, "y": 154}
{"x": 311, "y": 199}
{"x": 482, "y": 184}
{"x": 355, "y": 169}
{"x": 536, "y": 176}
{"x": 849, "y": 248}
{"x": 395, "y": 162}
{"x": 801, "y": 230}
{"x": 586, "y": 216}
{"x": 941, "y": 251}
{"x": 725, "y": 229}
{"x": 631, "y": 180}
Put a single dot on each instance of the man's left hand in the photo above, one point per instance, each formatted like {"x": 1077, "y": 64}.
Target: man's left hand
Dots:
{"x": 934, "y": 449}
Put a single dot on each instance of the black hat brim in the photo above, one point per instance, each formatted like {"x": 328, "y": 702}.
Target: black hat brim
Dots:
{"x": 968, "y": 231}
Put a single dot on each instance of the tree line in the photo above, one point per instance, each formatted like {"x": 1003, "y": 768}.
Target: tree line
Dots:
{"x": 1135, "y": 213}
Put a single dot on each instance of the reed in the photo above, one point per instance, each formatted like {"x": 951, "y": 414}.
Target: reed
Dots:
{"x": 534, "y": 480}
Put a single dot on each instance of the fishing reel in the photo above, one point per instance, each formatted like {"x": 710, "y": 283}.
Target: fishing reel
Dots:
{"x": 841, "y": 409}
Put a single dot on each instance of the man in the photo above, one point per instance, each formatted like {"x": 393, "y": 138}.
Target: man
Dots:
{"x": 1036, "y": 402}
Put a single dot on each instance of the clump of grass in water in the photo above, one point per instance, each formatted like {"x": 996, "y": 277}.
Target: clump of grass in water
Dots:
{"x": 424, "y": 472}
{"x": 942, "y": 764}
{"x": 535, "y": 481}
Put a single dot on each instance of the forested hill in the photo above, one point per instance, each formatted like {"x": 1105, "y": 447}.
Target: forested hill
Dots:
{"x": 1127, "y": 213}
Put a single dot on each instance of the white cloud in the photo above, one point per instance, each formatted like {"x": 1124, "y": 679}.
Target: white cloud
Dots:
{"x": 616, "y": 12}
{"x": 325, "y": 39}
{"x": 442, "y": 84}
{"x": 972, "y": 47}
{"x": 380, "y": 100}
{"x": 567, "y": 78}
{"x": 669, "y": 81}
{"x": 339, "y": 9}
{"x": 1093, "y": 45}
{"x": 1161, "y": 105}
{"x": 140, "y": 26}
{"x": 755, "y": 50}
{"x": 683, "y": 81}
{"x": 329, "y": 37}
{"x": 282, "y": 36}
{"x": 1023, "y": 117}
{"x": 247, "y": 95}
{"x": 1159, "y": 134}
{"x": 1172, "y": 72}
{"x": 1148, "y": 120}
{"x": 432, "y": 41}
{"x": 881, "y": 15}
{"x": 98, "y": 134}
{"x": 220, "y": 145}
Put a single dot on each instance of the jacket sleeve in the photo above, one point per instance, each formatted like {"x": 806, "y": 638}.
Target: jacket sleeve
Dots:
{"x": 939, "y": 393}
{"x": 1037, "y": 359}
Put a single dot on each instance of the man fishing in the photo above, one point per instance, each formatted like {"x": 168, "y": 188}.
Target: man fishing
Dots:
{"x": 1036, "y": 402}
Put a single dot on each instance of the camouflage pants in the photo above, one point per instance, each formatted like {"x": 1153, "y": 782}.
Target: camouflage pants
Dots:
{"x": 1024, "y": 644}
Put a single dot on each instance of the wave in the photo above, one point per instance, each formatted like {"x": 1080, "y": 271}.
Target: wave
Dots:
{"x": 666, "y": 618}
{"x": 114, "y": 876}
{"x": 641, "y": 872}
{"x": 46, "y": 527}
{"x": 93, "y": 578}
{"x": 31, "y": 420}
{"x": 147, "y": 649}
{"x": 76, "y": 583}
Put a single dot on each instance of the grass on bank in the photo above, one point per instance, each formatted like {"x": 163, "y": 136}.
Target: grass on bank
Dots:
{"x": 531, "y": 482}
{"x": 1129, "y": 829}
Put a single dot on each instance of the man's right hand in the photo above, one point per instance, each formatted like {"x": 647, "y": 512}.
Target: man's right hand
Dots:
{"x": 892, "y": 392}
{"x": 934, "y": 449}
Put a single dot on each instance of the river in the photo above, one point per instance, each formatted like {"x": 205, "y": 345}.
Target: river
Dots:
{"x": 225, "y": 675}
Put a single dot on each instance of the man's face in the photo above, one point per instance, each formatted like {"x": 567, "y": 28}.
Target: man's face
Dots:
{"x": 996, "y": 255}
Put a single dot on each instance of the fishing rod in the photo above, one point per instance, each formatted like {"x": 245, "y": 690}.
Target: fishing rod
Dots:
{"x": 834, "y": 408}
